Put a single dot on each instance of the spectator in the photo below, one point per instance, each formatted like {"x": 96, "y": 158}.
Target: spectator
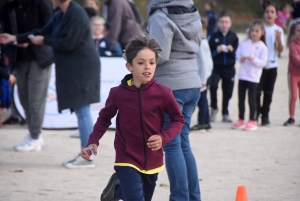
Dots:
{"x": 211, "y": 17}
{"x": 177, "y": 28}
{"x": 283, "y": 16}
{"x": 91, "y": 12}
{"x": 122, "y": 22}
{"x": 296, "y": 12}
{"x": 77, "y": 65}
{"x": 32, "y": 64}
{"x": 95, "y": 4}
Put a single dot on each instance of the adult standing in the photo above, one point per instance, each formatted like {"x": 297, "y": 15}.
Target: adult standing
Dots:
{"x": 77, "y": 65}
{"x": 31, "y": 62}
{"x": 122, "y": 22}
{"x": 177, "y": 28}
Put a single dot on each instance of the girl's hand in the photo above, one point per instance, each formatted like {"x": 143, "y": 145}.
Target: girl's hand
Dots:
{"x": 37, "y": 40}
{"x": 7, "y": 38}
{"x": 220, "y": 48}
{"x": 155, "y": 142}
{"x": 84, "y": 153}
{"x": 243, "y": 59}
{"x": 12, "y": 79}
{"x": 250, "y": 58}
{"x": 278, "y": 35}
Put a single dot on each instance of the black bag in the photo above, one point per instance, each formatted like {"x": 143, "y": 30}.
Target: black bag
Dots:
{"x": 136, "y": 12}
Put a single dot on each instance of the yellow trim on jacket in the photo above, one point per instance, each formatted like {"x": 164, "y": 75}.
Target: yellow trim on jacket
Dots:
{"x": 153, "y": 171}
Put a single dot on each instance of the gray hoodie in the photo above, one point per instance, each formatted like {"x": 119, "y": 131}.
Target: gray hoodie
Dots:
{"x": 179, "y": 35}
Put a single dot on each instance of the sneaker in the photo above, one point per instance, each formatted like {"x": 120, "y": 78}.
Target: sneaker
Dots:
{"x": 207, "y": 126}
{"x": 79, "y": 162}
{"x": 240, "y": 124}
{"x": 289, "y": 122}
{"x": 29, "y": 144}
{"x": 198, "y": 127}
{"x": 265, "y": 122}
{"x": 108, "y": 193}
{"x": 226, "y": 119}
{"x": 11, "y": 121}
{"x": 76, "y": 134}
{"x": 251, "y": 126}
{"x": 213, "y": 114}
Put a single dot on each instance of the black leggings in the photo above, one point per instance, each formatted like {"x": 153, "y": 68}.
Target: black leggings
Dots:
{"x": 252, "y": 90}
{"x": 266, "y": 85}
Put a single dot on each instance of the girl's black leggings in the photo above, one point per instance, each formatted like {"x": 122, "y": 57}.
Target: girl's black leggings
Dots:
{"x": 252, "y": 91}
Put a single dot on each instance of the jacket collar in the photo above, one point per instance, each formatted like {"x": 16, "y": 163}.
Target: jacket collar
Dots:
{"x": 134, "y": 88}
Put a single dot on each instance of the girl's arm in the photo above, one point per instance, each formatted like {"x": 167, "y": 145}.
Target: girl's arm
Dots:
{"x": 280, "y": 40}
{"x": 295, "y": 53}
{"x": 104, "y": 120}
{"x": 176, "y": 119}
{"x": 262, "y": 60}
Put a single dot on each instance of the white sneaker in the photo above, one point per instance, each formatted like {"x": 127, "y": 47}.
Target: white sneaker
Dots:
{"x": 29, "y": 144}
{"x": 76, "y": 134}
{"x": 79, "y": 162}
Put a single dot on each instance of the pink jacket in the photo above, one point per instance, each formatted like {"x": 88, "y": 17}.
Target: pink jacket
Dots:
{"x": 251, "y": 70}
{"x": 294, "y": 63}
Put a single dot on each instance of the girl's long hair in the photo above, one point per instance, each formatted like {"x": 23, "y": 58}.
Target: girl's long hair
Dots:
{"x": 291, "y": 34}
{"x": 259, "y": 23}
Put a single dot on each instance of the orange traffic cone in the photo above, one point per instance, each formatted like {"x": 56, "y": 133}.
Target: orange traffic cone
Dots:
{"x": 241, "y": 194}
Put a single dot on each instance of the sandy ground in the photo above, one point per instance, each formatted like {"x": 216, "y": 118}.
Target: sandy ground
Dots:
{"x": 266, "y": 161}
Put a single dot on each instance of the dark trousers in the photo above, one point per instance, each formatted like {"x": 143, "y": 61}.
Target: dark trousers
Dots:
{"x": 203, "y": 114}
{"x": 134, "y": 185}
{"x": 266, "y": 85}
{"x": 252, "y": 90}
{"x": 227, "y": 88}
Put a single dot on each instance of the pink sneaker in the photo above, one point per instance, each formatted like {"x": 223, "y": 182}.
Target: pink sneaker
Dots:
{"x": 251, "y": 126}
{"x": 240, "y": 124}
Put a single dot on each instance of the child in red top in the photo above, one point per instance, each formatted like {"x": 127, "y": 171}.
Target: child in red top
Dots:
{"x": 140, "y": 104}
{"x": 284, "y": 14}
{"x": 294, "y": 69}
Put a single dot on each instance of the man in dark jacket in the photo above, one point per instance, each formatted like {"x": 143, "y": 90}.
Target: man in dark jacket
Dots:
{"x": 32, "y": 64}
{"x": 122, "y": 22}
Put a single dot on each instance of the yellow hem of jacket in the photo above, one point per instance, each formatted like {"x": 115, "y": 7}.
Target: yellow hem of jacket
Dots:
{"x": 153, "y": 171}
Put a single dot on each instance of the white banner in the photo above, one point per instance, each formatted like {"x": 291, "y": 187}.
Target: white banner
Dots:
{"x": 113, "y": 71}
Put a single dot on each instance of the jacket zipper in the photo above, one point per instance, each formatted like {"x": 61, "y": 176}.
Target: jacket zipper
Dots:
{"x": 224, "y": 42}
{"x": 142, "y": 126}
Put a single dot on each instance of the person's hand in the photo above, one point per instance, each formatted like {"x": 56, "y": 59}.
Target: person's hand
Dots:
{"x": 12, "y": 79}
{"x": 37, "y": 40}
{"x": 84, "y": 153}
{"x": 23, "y": 45}
{"x": 7, "y": 38}
{"x": 242, "y": 59}
{"x": 278, "y": 35}
{"x": 203, "y": 85}
{"x": 230, "y": 48}
{"x": 220, "y": 48}
{"x": 250, "y": 58}
{"x": 155, "y": 142}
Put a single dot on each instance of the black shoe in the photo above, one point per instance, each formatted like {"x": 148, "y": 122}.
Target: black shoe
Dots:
{"x": 289, "y": 122}
{"x": 11, "y": 121}
{"x": 198, "y": 127}
{"x": 265, "y": 122}
{"x": 207, "y": 126}
{"x": 108, "y": 193}
{"x": 22, "y": 122}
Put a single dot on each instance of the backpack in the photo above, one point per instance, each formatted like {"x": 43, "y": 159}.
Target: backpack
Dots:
{"x": 136, "y": 12}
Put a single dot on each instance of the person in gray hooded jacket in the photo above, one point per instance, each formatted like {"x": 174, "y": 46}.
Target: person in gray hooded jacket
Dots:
{"x": 176, "y": 25}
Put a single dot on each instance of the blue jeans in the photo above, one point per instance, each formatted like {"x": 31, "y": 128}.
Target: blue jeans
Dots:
{"x": 203, "y": 114}
{"x": 85, "y": 123}
{"x": 134, "y": 185}
{"x": 180, "y": 162}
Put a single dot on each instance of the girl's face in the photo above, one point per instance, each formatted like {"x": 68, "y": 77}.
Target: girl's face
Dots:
{"x": 256, "y": 33}
{"x": 207, "y": 7}
{"x": 297, "y": 32}
{"x": 270, "y": 15}
{"x": 143, "y": 67}
{"x": 97, "y": 27}
{"x": 286, "y": 9}
{"x": 92, "y": 4}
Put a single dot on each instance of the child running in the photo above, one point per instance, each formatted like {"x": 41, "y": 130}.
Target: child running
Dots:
{"x": 140, "y": 104}
{"x": 293, "y": 42}
{"x": 275, "y": 45}
{"x": 283, "y": 16}
{"x": 253, "y": 56}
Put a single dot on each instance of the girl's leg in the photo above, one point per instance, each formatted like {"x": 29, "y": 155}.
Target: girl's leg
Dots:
{"x": 203, "y": 108}
{"x": 242, "y": 95}
{"x": 85, "y": 123}
{"x": 149, "y": 181}
{"x": 252, "y": 91}
{"x": 131, "y": 184}
{"x": 293, "y": 85}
